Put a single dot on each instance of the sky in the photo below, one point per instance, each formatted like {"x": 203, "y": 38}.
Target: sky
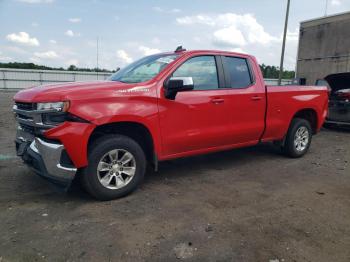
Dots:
{"x": 61, "y": 32}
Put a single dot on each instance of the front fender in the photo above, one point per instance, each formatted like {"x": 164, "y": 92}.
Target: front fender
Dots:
{"x": 138, "y": 109}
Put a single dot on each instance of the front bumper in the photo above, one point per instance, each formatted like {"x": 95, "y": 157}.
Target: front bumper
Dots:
{"x": 45, "y": 158}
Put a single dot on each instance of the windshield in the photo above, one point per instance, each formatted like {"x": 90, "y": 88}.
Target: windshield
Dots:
{"x": 144, "y": 69}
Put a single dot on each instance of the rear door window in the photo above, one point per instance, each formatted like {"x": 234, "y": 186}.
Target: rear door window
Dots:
{"x": 238, "y": 72}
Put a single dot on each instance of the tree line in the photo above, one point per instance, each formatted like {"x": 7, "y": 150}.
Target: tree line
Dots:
{"x": 274, "y": 71}
{"x": 17, "y": 65}
{"x": 267, "y": 71}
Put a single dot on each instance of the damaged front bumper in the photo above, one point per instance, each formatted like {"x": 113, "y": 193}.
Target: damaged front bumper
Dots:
{"x": 48, "y": 159}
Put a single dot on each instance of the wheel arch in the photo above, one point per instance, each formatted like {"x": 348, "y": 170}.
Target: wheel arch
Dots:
{"x": 310, "y": 115}
{"x": 135, "y": 130}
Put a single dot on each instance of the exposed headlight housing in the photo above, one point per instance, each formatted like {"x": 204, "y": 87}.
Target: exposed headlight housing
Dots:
{"x": 57, "y": 106}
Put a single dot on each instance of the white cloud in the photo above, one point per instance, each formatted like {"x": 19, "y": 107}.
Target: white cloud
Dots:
{"x": 23, "y": 38}
{"x": 336, "y": 2}
{"x": 74, "y": 20}
{"x": 168, "y": 11}
{"x": 230, "y": 36}
{"x": 124, "y": 57}
{"x": 292, "y": 36}
{"x": 70, "y": 33}
{"x": 36, "y": 1}
{"x": 231, "y": 29}
{"x": 46, "y": 55}
{"x": 241, "y": 33}
{"x": 197, "y": 19}
{"x": 35, "y": 24}
{"x": 148, "y": 51}
{"x": 238, "y": 50}
{"x": 52, "y": 41}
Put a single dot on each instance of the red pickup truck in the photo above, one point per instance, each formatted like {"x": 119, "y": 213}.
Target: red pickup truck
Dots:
{"x": 161, "y": 107}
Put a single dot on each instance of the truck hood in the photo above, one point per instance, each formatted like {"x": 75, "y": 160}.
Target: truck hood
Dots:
{"x": 72, "y": 90}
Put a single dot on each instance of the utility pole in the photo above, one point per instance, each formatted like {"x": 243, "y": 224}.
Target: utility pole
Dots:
{"x": 284, "y": 44}
{"x": 97, "y": 57}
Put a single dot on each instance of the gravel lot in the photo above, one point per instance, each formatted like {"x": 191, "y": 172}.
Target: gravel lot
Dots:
{"x": 242, "y": 205}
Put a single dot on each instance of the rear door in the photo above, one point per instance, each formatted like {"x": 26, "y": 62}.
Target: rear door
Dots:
{"x": 246, "y": 99}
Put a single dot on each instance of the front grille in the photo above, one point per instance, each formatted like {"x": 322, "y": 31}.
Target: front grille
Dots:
{"x": 30, "y": 119}
{"x": 24, "y": 116}
{"x": 26, "y": 106}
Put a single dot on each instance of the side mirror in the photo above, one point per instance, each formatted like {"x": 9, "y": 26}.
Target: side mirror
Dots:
{"x": 177, "y": 84}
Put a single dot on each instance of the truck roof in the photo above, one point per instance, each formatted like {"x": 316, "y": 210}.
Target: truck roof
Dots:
{"x": 199, "y": 51}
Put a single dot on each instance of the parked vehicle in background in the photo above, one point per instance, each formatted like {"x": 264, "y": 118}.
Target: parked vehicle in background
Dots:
{"x": 161, "y": 107}
{"x": 339, "y": 99}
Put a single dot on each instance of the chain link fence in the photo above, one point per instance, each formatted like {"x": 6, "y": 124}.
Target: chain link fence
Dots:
{"x": 24, "y": 78}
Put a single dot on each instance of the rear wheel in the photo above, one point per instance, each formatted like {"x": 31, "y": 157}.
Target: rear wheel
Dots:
{"x": 116, "y": 167}
{"x": 298, "y": 138}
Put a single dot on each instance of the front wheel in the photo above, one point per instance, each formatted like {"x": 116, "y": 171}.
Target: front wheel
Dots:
{"x": 116, "y": 167}
{"x": 298, "y": 138}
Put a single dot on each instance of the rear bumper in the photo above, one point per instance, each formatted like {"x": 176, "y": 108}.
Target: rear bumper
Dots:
{"x": 45, "y": 159}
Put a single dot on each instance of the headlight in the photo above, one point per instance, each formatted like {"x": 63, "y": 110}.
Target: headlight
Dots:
{"x": 57, "y": 106}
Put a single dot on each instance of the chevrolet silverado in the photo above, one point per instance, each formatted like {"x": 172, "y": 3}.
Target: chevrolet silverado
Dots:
{"x": 161, "y": 107}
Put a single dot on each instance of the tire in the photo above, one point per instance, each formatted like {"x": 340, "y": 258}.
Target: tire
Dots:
{"x": 104, "y": 176}
{"x": 294, "y": 145}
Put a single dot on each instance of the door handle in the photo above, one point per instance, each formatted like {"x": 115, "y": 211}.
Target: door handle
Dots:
{"x": 256, "y": 98}
{"x": 217, "y": 100}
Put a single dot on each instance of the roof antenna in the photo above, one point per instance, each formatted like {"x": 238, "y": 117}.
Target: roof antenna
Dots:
{"x": 179, "y": 49}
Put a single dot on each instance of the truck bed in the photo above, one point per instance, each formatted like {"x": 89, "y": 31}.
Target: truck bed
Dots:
{"x": 284, "y": 101}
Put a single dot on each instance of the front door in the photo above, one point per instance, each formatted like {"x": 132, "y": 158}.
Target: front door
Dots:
{"x": 196, "y": 119}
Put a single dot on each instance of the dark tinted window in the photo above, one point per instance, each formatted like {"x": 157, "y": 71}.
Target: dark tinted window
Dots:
{"x": 203, "y": 71}
{"x": 238, "y": 71}
{"x": 321, "y": 82}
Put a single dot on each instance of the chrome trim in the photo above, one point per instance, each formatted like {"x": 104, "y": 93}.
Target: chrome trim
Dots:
{"x": 22, "y": 139}
{"x": 67, "y": 168}
{"x": 34, "y": 117}
{"x": 31, "y": 122}
{"x": 33, "y": 147}
{"x": 51, "y": 155}
{"x": 24, "y": 136}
